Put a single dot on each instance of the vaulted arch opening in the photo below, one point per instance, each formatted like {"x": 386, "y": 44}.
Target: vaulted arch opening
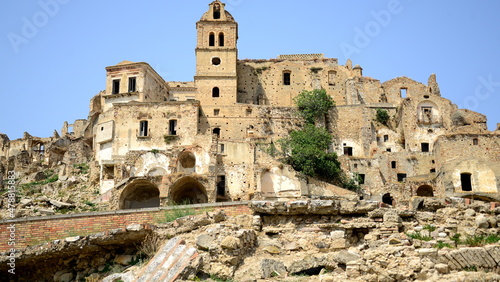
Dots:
{"x": 186, "y": 162}
{"x": 425, "y": 191}
{"x": 387, "y": 198}
{"x": 140, "y": 193}
{"x": 188, "y": 190}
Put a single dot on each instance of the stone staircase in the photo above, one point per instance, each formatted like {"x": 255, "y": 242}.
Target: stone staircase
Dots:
{"x": 169, "y": 262}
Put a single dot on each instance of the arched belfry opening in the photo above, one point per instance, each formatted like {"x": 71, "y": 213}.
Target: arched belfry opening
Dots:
{"x": 211, "y": 39}
{"x": 140, "y": 193}
{"x": 217, "y": 11}
{"x": 221, "y": 39}
{"x": 188, "y": 190}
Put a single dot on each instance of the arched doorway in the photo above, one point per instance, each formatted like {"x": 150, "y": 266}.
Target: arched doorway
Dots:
{"x": 387, "y": 198}
{"x": 188, "y": 190}
{"x": 140, "y": 193}
{"x": 425, "y": 191}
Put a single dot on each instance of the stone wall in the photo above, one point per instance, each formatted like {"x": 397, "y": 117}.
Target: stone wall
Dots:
{"x": 32, "y": 231}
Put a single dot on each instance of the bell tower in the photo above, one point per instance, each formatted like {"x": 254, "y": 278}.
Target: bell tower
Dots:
{"x": 216, "y": 56}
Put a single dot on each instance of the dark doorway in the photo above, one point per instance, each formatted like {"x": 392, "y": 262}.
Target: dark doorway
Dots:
{"x": 387, "y": 198}
{"x": 425, "y": 191}
{"x": 465, "y": 179}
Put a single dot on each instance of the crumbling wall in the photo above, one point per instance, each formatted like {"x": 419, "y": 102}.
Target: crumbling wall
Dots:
{"x": 475, "y": 154}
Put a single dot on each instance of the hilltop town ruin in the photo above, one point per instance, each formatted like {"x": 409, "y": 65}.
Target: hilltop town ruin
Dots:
{"x": 149, "y": 142}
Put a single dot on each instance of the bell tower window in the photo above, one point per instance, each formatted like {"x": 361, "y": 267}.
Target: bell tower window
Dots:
{"x": 215, "y": 92}
{"x": 216, "y": 11}
{"x": 211, "y": 39}
{"x": 216, "y": 61}
{"x": 221, "y": 39}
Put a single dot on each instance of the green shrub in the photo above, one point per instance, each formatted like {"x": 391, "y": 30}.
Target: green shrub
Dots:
{"x": 440, "y": 245}
{"x": 456, "y": 238}
{"x": 429, "y": 227}
{"x": 313, "y": 104}
{"x": 417, "y": 235}
{"x": 382, "y": 116}
{"x": 177, "y": 212}
{"x": 83, "y": 168}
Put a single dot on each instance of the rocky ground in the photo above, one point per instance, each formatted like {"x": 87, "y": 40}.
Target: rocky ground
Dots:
{"x": 333, "y": 241}
{"x": 60, "y": 189}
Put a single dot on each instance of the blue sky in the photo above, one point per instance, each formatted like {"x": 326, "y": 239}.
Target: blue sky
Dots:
{"x": 53, "y": 52}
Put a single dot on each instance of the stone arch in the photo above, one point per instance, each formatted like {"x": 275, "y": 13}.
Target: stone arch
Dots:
{"x": 428, "y": 112}
{"x": 388, "y": 199}
{"x": 156, "y": 171}
{"x": 188, "y": 189}
{"x": 151, "y": 164}
{"x": 140, "y": 193}
{"x": 186, "y": 162}
{"x": 425, "y": 191}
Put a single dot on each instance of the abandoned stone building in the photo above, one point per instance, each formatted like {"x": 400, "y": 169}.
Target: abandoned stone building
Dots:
{"x": 202, "y": 141}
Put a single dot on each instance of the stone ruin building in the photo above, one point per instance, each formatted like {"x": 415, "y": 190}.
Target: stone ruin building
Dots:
{"x": 155, "y": 141}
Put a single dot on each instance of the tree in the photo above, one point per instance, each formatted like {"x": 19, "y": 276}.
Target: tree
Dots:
{"x": 313, "y": 104}
{"x": 382, "y": 116}
{"x": 306, "y": 150}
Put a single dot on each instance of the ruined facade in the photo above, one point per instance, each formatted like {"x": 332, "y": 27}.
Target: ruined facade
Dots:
{"x": 200, "y": 141}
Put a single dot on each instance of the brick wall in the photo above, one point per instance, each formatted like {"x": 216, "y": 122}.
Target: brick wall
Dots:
{"x": 36, "y": 230}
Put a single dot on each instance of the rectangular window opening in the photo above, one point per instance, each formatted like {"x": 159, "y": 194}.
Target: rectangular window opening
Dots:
{"x": 143, "y": 128}
{"x": 386, "y": 138}
{"x": 348, "y": 151}
{"x": 475, "y": 141}
{"x": 172, "y": 127}
{"x": 331, "y": 78}
{"x": 393, "y": 164}
{"x": 132, "y": 84}
{"x": 401, "y": 177}
{"x": 361, "y": 179}
{"x": 424, "y": 147}
{"x": 116, "y": 86}
{"x": 286, "y": 78}
{"x": 403, "y": 92}
{"x": 216, "y": 112}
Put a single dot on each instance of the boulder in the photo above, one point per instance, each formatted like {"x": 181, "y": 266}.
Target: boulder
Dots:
{"x": 61, "y": 205}
{"x": 272, "y": 249}
{"x": 482, "y": 221}
{"x": 343, "y": 257}
{"x": 470, "y": 213}
{"x": 230, "y": 242}
{"x": 124, "y": 259}
{"x": 271, "y": 268}
{"x": 205, "y": 242}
